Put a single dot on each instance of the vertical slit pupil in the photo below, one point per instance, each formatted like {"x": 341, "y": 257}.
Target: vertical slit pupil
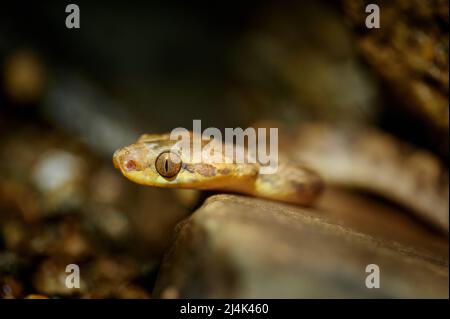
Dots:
{"x": 166, "y": 166}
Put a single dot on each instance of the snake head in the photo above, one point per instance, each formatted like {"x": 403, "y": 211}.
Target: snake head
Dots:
{"x": 155, "y": 160}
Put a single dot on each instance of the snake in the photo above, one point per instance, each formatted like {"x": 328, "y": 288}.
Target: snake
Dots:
{"x": 310, "y": 157}
{"x": 155, "y": 160}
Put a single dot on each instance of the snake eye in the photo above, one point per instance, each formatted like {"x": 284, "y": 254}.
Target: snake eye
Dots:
{"x": 168, "y": 164}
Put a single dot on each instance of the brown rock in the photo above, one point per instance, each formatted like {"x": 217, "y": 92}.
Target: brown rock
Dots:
{"x": 242, "y": 247}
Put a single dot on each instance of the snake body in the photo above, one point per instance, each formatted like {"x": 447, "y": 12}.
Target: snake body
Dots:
{"x": 378, "y": 163}
{"x": 367, "y": 159}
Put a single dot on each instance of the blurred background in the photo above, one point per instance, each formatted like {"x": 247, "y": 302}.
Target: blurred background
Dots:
{"x": 70, "y": 97}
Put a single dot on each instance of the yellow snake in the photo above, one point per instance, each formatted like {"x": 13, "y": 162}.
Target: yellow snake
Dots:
{"x": 154, "y": 160}
{"x": 370, "y": 160}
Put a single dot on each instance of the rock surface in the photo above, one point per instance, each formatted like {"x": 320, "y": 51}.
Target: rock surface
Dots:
{"x": 240, "y": 247}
